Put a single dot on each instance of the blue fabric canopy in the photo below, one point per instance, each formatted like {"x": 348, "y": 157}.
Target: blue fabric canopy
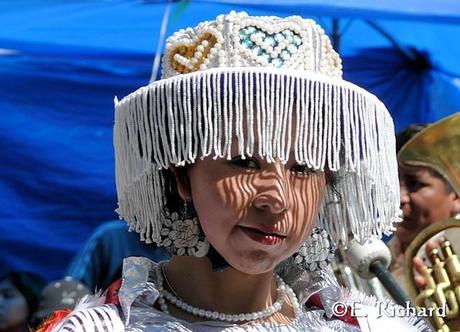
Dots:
{"x": 62, "y": 62}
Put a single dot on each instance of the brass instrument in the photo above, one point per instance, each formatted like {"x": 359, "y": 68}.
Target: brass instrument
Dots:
{"x": 441, "y": 292}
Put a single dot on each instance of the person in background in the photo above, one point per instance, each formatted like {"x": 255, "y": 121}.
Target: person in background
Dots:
{"x": 19, "y": 293}
{"x": 99, "y": 263}
{"x": 429, "y": 173}
{"x": 58, "y": 295}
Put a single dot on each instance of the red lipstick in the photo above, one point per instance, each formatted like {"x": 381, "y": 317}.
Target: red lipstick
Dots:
{"x": 263, "y": 237}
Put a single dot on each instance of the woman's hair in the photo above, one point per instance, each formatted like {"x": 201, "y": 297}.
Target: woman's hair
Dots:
{"x": 29, "y": 284}
{"x": 405, "y": 135}
{"x": 173, "y": 201}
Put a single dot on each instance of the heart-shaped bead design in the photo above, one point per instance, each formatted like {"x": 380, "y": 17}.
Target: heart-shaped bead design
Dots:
{"x": 188, "y": 56}
{"x": 274, "y": 48}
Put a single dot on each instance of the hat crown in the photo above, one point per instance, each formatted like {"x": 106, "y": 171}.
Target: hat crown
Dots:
{"x": 238, "y": 40}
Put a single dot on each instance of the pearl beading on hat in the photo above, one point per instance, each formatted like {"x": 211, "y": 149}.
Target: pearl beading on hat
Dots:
{"x": 240, "y": 72}
{"x": 237, "y": 40}
{"x": 283, "y": 290}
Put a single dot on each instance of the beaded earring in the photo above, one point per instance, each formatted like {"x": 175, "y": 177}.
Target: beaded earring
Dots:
{"x": 182, "y": 235}
{"x": 317, "y": 252}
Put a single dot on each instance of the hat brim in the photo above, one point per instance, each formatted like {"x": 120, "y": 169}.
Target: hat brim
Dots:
{"x": 338, "y": 126}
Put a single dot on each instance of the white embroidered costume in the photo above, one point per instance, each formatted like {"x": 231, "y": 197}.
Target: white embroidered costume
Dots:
{"x": 139, "y": 293}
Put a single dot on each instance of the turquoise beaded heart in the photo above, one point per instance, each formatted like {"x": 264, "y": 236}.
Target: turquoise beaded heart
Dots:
{"x": 263, "y": 44}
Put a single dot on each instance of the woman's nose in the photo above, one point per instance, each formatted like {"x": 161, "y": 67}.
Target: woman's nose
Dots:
{"x": 273, "y": 193}
{"x": 404, "y": 193}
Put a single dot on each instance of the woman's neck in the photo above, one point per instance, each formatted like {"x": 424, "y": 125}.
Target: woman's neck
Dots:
{"x": 229, "y": 291}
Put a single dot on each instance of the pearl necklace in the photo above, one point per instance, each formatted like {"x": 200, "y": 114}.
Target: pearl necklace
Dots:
{"x": 283, "y": 289}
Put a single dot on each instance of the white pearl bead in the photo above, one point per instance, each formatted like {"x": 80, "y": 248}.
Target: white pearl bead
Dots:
{"x": 215, "y": 315}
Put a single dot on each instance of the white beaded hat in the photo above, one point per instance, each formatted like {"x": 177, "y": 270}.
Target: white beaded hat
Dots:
{"x": 239, "y": 79}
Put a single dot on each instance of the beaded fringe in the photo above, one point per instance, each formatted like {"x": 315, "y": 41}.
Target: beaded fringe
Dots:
{"x": 337, "y": 126}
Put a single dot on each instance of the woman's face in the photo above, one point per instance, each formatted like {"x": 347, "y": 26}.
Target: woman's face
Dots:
{"x": 13, "y": 306}
{"x": 254, "y": 213}
{"x": 425, "y": 199}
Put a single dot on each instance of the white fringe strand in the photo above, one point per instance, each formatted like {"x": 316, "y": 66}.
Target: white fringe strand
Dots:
{"x": 337, "y": 126}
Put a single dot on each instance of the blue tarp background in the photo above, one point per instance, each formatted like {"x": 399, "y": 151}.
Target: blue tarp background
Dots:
{"x": 62, "y": 63}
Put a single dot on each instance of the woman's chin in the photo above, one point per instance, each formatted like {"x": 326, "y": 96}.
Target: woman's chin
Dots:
{"x": 256, "y": 262}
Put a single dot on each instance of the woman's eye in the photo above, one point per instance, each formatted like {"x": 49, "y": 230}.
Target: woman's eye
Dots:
{"x": 413, "y": 184}
{"x": 302, "y": 169}
{"x": 8, "y": 294}
{"x": 248, "y": 162}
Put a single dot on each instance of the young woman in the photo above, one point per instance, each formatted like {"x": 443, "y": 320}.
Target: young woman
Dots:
{"x": 248, "y": 160}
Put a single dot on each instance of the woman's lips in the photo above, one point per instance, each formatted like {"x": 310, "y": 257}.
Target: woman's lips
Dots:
{"x": 263, "y": 237}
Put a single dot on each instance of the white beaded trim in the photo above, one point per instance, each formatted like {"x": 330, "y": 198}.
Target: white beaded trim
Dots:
{"x": 177, "y": 120}
{"x": 283, "y": 290}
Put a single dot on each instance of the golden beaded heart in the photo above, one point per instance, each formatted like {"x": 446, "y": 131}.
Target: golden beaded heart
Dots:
{"x": 187, "y": 58}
